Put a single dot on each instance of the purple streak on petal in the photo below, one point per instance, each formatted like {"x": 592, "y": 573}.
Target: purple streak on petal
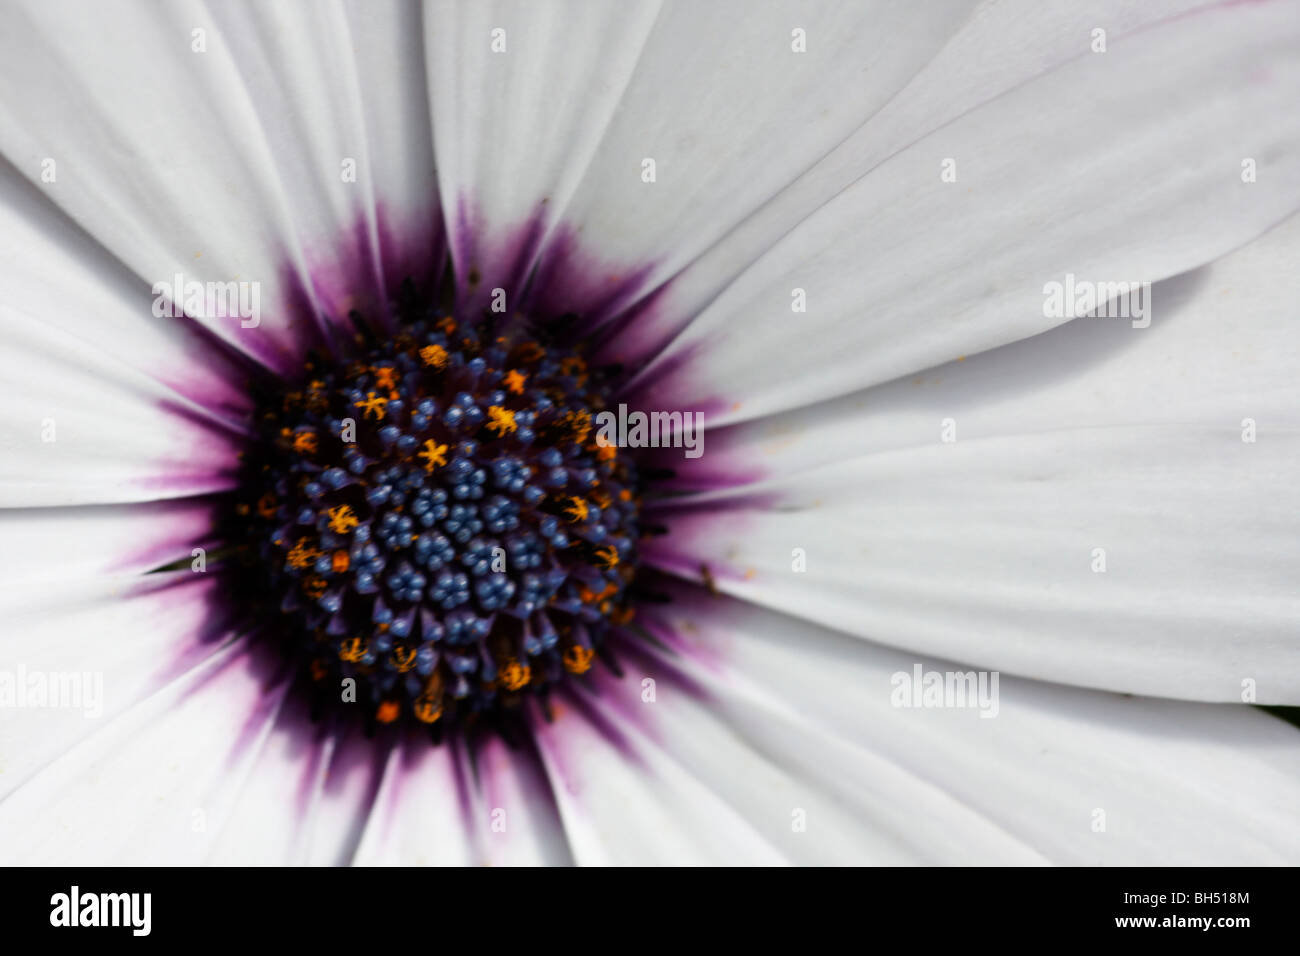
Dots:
{"x": 484, "y": 261}
{"x": 181, "y": 478}
{"x": 344, "y": 275}
{"x": 520, "y": 763}
{"x": 693, "y": 523}
{"x": 182, "y": 590}
{"x": 571, "y": 278}
{"x": 464, "y": 791}
{"x": 214, "y": 378}
{"x": 190, "y": 523}
{"x": 413, "y": 247}
{"x": 575, "y": 703}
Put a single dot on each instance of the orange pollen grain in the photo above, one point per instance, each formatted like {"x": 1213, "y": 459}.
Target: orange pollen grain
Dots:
{"x": 427, "y": 708}
{"x": 434, "y": 355}
{"x": 577, "y": 659}
{"x": 515, "y": 675}
{"x": 503, "y": 420}
{"x": 514, "y": 381}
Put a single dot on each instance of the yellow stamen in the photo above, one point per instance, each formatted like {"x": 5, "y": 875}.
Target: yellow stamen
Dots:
{"x": 503, "y": 420}
{"x": 608, "y": 556}
{"x": 342, "y": 520}
{"x": 302, "y": 555}
{"x": 403, "y": 658}
{"x": 434, "y": 355}
{"x": 577, "y": 659}
{"x": 305, "y": 442}
{"x": 515, "y": 675}
{"x": 372, "y": 404}
{"x": 578, "y": 424}
{"x": 514, "y": 381}
{"x": 353, "y": 650}
{"x": 428, "y": 708}
{"x": 434, "y": 453}
{"x": 577, "y": 511}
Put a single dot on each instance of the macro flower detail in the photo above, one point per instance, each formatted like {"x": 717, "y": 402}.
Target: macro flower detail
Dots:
{"x": 582, "y": 432}
{"x": 426, "y": 584}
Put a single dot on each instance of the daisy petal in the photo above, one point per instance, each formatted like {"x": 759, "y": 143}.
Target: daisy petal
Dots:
{"x": 624, "y": 800}
{"x": 1000, "y": 46}
{"x": 214, "y": 151}
{"x": 519, "y": 123}
{"x": 79, "y": 429}
{"x": 1155, "y": 560}
{"x": 521, "y": 94}
{"x": 421, "y": 815}
{"x": 155, "y": 786}
{"x": 520, "y": 821}
{"x": 903, "y": 270}
{"x": 389, "y": 67}
{"x": 1078, "y": 777}
{"x": 56, "y": 547}
{"x": 54, "y": 275}
{"x": 1170, "y": 448}
{"x": 814, "y": 798}
{"x": 306, "y": 797}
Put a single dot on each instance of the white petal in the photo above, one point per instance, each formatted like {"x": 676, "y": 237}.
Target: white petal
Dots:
{"x": 76, "y": 430}
{"x": 624, "y": 800}
{"x": 388, "y": 53}
{"x": 715, "y": 94}
{"x": 305, "y": 800}
{"x": 1223, "y": 345}
{"x": 155, "y": 786}
{"x": 1122, "y": 166}
{"x": 422, "y": 814}
{"x": 358, "y": 185}
{"x": 519, "y": 820}
{"x": 1157, "y": 560}
{"x": 116, "y": 640}
{"x": 50, "y": 548}
{"x": 521, "y": 94}
{"x": 1000, "y": 46}
{"x": 190, "y": 143}
{"x": 1095, "y": 435}
{"x": 1176, "y": 783}
{"x": 53, "y": 275}
{"x": 813, "y": 797}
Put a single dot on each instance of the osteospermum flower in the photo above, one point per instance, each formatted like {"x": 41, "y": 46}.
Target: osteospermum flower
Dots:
{"x": 313, "y": 315}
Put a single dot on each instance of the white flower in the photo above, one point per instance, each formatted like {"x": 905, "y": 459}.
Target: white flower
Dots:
{"x": 834, "y": 229}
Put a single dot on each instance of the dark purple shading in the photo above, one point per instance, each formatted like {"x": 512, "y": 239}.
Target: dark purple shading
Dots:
{"x": 554, "y": 275}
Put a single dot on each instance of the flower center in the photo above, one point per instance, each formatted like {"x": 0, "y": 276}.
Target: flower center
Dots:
{"x": 437, "y": 523}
